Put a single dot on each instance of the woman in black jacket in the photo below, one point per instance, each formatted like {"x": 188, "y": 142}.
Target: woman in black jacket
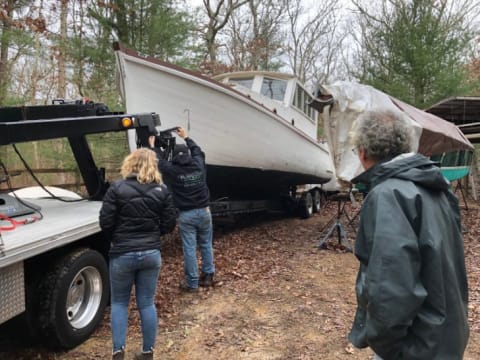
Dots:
{"x": 136, "y": 211}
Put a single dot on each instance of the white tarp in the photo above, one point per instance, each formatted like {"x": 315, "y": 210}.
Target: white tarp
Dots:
{"x": 351, "y": 100}
{"x": 432, "y": 135}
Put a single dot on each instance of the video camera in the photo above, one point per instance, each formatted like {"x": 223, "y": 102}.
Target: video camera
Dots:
{"x": 165, "y": 141}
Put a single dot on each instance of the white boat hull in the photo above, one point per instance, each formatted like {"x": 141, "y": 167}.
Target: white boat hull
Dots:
{"x": 247, "y": 145}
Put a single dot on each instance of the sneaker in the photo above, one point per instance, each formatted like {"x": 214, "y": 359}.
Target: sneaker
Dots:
{"x": 140, "y": 355}
{"x": 184, "y": 287}
{"x": 206, "y": 280}
{"x": 118, "y": 355}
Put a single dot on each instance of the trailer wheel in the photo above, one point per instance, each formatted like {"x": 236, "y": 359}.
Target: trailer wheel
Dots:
{"x": 317, "y": 200}
{"x": 306, "y": 206}
{"x": 72, "y": 298}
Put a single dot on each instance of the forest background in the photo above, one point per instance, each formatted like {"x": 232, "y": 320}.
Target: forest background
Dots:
{"x": 420, "y": 51}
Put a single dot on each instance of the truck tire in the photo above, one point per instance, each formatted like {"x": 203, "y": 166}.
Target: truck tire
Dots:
{"x": 317, "y": 200}
{"x": 306, "y": 205}
{"x": 72, "y": 298}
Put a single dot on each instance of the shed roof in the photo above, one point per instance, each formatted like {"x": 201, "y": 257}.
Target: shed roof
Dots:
{"x": 463, "y": 111}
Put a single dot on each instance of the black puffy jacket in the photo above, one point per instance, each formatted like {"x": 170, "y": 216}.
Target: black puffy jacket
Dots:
{"x": 135, "y": 215}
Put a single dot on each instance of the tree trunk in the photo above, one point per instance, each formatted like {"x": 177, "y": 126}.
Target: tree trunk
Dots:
{"x": 61, "y": 55}
{"x": 4, "y": 45}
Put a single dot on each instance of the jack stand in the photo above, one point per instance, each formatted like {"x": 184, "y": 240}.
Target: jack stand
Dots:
{"x": 460, "y": 187}
{"x": 337, "y": 225}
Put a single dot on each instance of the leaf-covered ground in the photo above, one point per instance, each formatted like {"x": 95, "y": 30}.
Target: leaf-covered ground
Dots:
{"x": 278, "y": 297}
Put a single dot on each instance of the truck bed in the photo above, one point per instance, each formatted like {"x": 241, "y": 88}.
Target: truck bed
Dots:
{"x": 62, "y": 223}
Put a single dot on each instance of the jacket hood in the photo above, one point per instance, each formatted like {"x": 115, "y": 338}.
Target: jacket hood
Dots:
{"x": 180, "y": 149}
{"x": 181, "y": 155}
{"x": 182, "y": 159}
{"x": 410, "y": 167}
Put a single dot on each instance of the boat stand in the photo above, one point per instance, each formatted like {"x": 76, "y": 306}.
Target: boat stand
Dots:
{"x": 341, "y": 199}
{"x": 459, "y": 187}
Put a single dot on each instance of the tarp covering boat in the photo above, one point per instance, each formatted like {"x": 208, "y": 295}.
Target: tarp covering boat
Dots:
{"x": 432, "y": 134}
{"x": 438, "y": 135}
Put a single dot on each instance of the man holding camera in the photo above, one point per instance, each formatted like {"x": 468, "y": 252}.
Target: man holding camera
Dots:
{"x": 186, "y": 178}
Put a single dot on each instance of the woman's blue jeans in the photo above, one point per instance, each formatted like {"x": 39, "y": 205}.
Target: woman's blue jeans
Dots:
{"x": 196, "y": 225}
{"x": 139, "y": 268}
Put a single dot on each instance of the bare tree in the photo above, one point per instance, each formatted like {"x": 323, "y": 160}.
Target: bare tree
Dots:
{"x": 218, "y": 12}
{"x": 237, "y": 37}
{"x": 6, "y": 26}
{"x": 61, "y": 53}
{"x": 254, "y": 35}
{"x": 271, "y": 33}
{"x": 313, "y": 41}
{"x": 13, "y": 39}
{"x": 78, "y": 31}
{"x": 266, "y": 42}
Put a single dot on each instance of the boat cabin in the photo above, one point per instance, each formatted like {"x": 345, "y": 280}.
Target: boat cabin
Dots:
{"x": 281, "y": 93}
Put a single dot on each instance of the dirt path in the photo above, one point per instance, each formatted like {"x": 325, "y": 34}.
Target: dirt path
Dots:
{"x": 279, "y": 297}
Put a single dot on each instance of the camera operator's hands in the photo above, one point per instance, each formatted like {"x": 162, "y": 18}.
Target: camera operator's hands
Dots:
{"x": 182, "y": 132}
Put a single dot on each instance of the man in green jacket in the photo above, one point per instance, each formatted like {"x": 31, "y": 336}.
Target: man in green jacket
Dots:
{"x": 411, "y": 287}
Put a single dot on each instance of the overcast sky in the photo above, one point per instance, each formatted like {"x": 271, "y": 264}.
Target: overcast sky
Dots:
{"x": 194, "y": 2}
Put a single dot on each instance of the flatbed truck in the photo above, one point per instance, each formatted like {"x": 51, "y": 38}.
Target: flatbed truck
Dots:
{"x": 53, "y": 260}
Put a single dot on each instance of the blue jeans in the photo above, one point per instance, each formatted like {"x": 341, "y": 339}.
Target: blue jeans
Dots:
{"x": 139, "y": 268}
{"x": 196, "y": 225}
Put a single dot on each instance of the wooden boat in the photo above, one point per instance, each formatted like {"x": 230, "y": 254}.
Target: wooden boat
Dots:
{"x": 256, "y": 128}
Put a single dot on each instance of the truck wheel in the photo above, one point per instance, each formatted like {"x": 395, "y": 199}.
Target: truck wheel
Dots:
{"x": 72, "y": 298}
{"x": 317, "y": 201}
{"x": 306, "y": 206}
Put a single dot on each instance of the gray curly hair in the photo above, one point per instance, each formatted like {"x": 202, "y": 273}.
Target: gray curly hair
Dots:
{"x": 383, "y": 134}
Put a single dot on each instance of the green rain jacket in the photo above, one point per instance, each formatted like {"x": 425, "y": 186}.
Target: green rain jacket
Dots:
{"x": 411, "y": 287}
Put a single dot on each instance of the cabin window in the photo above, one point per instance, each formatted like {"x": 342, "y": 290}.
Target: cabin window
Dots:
{"x": 437, "y": 158}
{"x": 246, "y": 83}
{"x": 450, "y": 159}
{"x": 301, "y": 100}
{"x": 468, "y": 158}
{"x": 274, "y": 88}
{"x": 454, "y": 158}
{"x": 465, "y": 158}
{"x": 461, "y": 158}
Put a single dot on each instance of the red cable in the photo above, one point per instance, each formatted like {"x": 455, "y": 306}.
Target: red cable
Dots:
{"x": 14, "y": 222}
